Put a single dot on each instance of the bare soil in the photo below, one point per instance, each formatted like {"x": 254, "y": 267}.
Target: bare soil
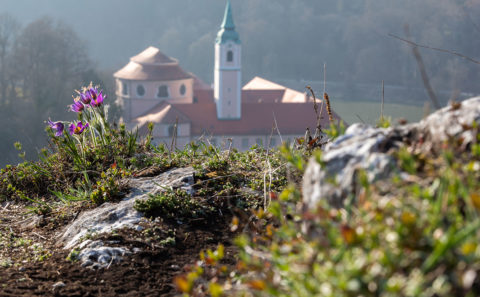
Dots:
{"x": 33, "y": 264}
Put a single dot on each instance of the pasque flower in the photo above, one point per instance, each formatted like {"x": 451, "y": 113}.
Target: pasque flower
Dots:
{"x": 85, "y": 98}
{"x": 77, "y": 128}
{"x": 96, "y": 96}
{"x": 77, "y": 106}
{"x": 57, "y": 127}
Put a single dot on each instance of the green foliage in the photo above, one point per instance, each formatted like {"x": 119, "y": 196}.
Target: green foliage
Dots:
{"x": 384, "y": 122}
{"x": 171, "y": 204}
{"x": 294, "y": 157}
{"x": 76, "y": 167}
{"x": 108, "y": 186}
{"x": 336, "y": 130}
{"x": 73, "y": 255}
{"x": 418, "y": 239}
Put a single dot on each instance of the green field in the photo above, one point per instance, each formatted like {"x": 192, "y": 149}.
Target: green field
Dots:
{"x": 369, "y": 112}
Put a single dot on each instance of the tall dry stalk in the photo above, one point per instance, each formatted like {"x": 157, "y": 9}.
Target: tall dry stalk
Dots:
{"x": 318, "y": 129}
{"x": 329, "y": 107}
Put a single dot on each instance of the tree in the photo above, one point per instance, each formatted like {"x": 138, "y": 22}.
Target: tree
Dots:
{"x": 49, "y": 61}
{"x": 9, "y": 28}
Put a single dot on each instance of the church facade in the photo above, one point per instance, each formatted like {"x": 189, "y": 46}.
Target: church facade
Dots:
{"x": 153, "y": 87}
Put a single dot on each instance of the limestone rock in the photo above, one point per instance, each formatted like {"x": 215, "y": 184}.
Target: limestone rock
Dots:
{"x": 96, "y": 255}
{"x": 111, "y": 216}
{"x": 367, "y": 148}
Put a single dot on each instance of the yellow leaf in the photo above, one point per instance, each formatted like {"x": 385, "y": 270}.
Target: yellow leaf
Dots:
{"x": 215, "y": 290}
{"x": 220, "y": 251}
{"x": 182, "y": 284}
{"x": 348, "y": 234}
{"x": 212, "y": 174}
{"x": 475, "y": 197}
{"x": 408, "y": 218}
{"x": 469, "y": 248}
{"x": 257, "y": 284}
{"x": 269, "y": 230}
{"x": 235, "y": 223}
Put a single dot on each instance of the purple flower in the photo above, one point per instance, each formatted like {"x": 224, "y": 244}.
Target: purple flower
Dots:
{"x": 96, "y": 96}
{"x": 57, "y": 126}
{"x": 85, "y": 98}
{"x": 77, "y": 106}
{"x": 78, "y": 128}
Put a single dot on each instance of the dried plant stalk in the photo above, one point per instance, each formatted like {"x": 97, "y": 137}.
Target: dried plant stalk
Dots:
{"x": 318, "y": 130}
{"x": 329, "y": 107}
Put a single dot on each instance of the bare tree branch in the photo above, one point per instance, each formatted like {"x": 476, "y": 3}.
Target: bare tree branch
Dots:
{"x": 435, "y": 49}
{"x": 423, "y": 72}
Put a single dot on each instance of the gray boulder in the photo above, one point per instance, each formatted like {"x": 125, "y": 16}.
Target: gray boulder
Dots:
{"x": 112, "y": 216}
{"x": 363, "y": 147}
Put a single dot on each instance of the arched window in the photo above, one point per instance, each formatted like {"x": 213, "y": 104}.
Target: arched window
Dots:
{"x": 183, "y": 90}
{"x": 162, "y": 92}
{"x": 229, "y": 56}
{"x": 124, "y": 88}
{"x": 140, "y": 90}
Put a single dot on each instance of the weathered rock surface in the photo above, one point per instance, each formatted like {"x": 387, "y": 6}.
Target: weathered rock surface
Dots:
{"x": 363, "y": 147}
{"x": 95, "y": 255}
{"x": 112, "y": 216}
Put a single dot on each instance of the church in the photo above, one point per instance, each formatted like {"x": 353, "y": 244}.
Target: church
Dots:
{"x": 153, "y": 88}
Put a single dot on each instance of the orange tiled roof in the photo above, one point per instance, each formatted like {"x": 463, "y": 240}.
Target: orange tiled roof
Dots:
{"x": 163, "y": 113}
{"x": 152, "y": 65}
{"x": 135, "y": 71}
{"x": 257, "y": 118}
{"x": 262, "y": 90}
{"x": 262, "y": 103}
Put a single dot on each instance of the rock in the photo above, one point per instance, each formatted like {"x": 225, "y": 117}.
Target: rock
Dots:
{"x": 363, "y": 147}
{"x": 112, "y": 216}
{"x": 452, "y": 122}
{"x": 95, "y": 255}
{"x": 360, "y": 147}
{"x": 58, "y": 285}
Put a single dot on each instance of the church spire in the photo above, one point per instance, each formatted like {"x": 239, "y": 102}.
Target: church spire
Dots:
{"x": 227, "y": 30}
{"x": 228, "y": 18}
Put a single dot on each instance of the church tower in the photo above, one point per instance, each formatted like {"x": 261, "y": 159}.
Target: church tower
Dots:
{"x": 228, "y": 70}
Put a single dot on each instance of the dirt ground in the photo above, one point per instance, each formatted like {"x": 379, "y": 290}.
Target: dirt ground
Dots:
{"x": 33, "y": 264}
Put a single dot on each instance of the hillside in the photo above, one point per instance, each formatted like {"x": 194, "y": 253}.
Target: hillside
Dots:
{"x": 366, "y": 211}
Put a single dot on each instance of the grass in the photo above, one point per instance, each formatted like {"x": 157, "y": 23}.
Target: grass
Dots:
{"x": 370, "y": 111}
{"x": 415, "y": 236}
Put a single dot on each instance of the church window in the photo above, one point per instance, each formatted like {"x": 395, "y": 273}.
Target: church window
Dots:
{"x": 140, "y": 90}
{"x": 229, "y": 56}
{"x": 124, "y": 88}
{"x": 162, "y": 92}
{"x": 183, "y": 90}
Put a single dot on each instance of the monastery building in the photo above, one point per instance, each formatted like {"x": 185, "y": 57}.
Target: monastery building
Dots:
{"x": 153, "y": 87}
